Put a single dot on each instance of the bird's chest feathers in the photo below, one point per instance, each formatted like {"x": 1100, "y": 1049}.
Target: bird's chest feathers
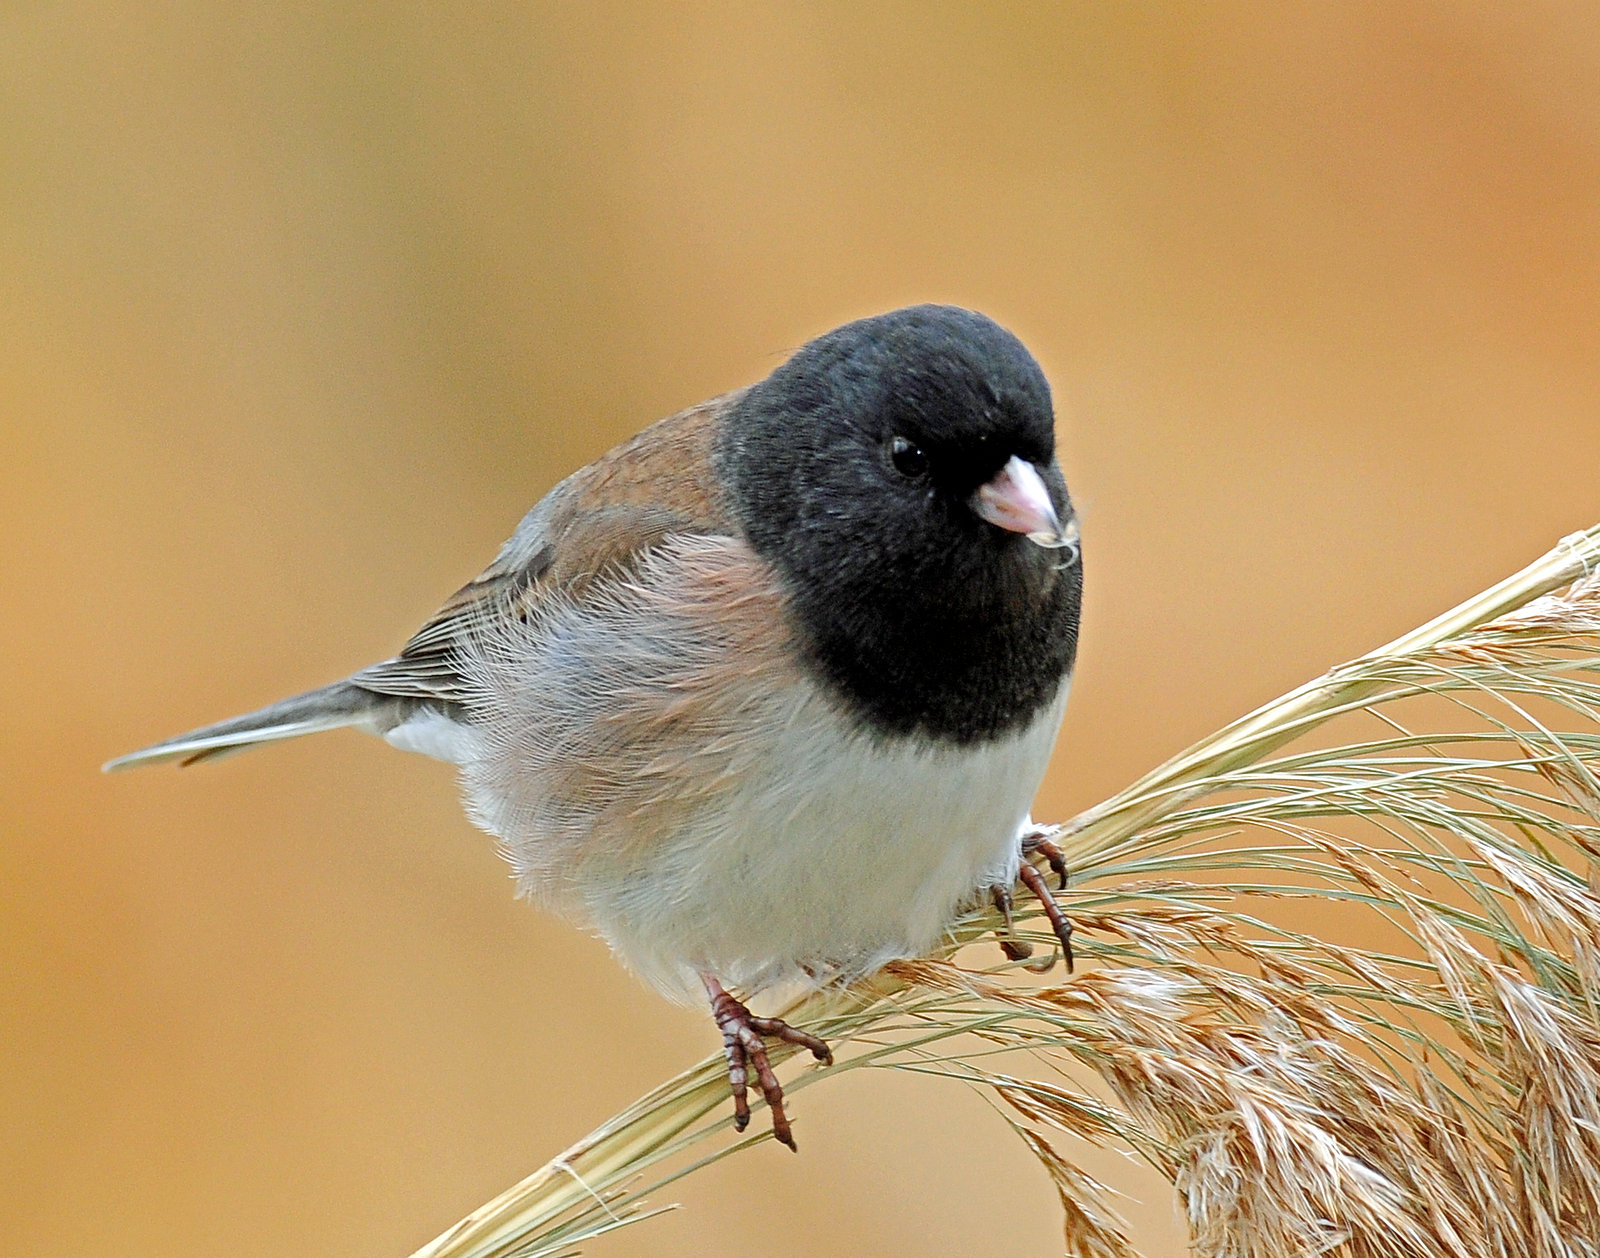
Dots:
{"x": 658, "y": 761}
{"x": 836, "y": 852}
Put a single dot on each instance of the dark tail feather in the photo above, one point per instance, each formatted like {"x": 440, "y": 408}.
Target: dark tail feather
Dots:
{"x": 328, "y": 708}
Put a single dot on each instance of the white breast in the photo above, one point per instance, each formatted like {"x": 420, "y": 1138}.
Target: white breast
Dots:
{"x": 839, "y": 852}
{"x": 656, "y": 760}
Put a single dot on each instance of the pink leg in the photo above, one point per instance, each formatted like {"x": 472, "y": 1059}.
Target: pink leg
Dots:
{"x": 744, "y": 1039}
{"x": 1034, "y": 881}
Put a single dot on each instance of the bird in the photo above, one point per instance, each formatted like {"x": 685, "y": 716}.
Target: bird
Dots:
{"x": 763, "y": 695}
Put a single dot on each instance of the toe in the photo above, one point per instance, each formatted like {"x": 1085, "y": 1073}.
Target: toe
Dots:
{"x": 778, "y": 1029}
{"x": 771, "y": 1089}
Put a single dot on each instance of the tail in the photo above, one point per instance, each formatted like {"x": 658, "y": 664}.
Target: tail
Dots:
{"x": 328, "y": 708}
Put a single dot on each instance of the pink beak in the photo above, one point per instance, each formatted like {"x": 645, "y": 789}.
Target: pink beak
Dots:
{"x": 1016, "y": 500}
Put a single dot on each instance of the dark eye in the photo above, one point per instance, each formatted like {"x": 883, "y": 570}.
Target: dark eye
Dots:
{"x": 908, "y": 460}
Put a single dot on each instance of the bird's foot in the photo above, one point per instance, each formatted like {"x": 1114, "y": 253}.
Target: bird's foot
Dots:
{"x": 1034, "y": 881}
{"x": 1036, "y": 840}
{"x": 744, "y": 1038}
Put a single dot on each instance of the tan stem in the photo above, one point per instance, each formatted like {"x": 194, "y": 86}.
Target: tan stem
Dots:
{"x": 1248, "y": 739}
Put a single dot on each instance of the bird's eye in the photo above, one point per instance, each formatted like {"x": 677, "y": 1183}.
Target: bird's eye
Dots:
{"x": 907, "y": 458}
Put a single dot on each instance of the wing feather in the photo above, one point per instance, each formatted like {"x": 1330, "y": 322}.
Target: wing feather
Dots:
{"x": 596, "y": 523}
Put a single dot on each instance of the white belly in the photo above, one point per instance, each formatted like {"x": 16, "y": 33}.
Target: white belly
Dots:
{"x": 839, "y": 852}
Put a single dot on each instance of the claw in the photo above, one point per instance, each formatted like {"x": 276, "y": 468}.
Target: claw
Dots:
{"x": 744, "y": 1037}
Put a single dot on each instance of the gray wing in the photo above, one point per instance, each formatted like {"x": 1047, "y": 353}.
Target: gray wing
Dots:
{"x": 598, "y": 521}
{"x": 421, "y": 681}
{"x": 425, "y": 669}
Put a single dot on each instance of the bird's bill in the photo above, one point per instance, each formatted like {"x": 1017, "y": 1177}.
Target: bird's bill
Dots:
{"x": 1017, "y": 500}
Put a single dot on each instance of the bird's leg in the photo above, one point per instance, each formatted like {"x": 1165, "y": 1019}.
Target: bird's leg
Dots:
{"x": 744, "y": 1039}
{"x": 1015, "y": 949}
{"x": 1034, "y": 840}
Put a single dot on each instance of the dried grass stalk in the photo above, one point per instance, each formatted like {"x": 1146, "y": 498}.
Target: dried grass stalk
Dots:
{"x": 1426, "y": 1087}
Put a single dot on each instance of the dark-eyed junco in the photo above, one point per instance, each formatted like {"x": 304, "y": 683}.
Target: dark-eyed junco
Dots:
{"x": 764, "y": 693}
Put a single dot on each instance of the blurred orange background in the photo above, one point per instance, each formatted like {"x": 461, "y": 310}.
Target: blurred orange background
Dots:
{"x": 301, "y": 306}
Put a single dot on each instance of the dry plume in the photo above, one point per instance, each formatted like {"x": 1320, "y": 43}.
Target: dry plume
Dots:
{"x": 1425, "y": 1086}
